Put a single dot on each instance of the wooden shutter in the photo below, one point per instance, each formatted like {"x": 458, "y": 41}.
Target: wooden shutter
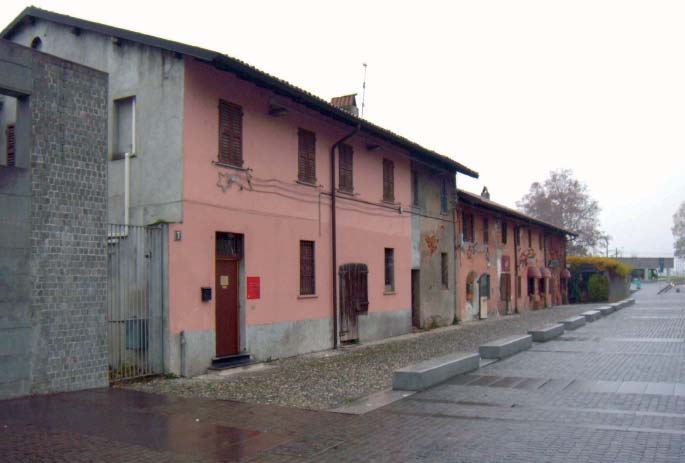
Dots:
{"x": 306, "y": 159}
{"x": 307, "y": 279}
{"x": 11, "y": 146}
{"x": 388, "y": 181}
{"x": 486, "y": 231}
{"x": 345, "y": 179}
{"x": 444, "y": 269}
{"x": 230, "y": 133}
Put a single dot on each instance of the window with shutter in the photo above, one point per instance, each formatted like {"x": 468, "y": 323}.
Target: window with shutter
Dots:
{"x": 345, "y": 179}
{"x": 306, "y": 158}
{"x": 486, "y": 231}
{"x": 388, "y": 180}
{"x": 467, "y": 227}
{"x": 11, "y": 146}
{"x": 414, "y": 188}
{"x": 504, "y": 233}
{"x": 230, "y": 133}
{"x": 307, "y": 278}
{"x": 444, "y": 270}
{"x": 389, "y": 269}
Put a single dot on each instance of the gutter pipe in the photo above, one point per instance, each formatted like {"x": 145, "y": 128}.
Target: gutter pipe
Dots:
{"x": 334, "y": 256}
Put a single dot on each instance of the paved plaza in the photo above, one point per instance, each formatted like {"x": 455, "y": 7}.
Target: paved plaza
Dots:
{"x": 612, "y": 391}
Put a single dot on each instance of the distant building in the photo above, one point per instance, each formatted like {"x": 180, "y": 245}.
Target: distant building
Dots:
{"x": 507, "y": 261}
{"x": 649, "y": 268}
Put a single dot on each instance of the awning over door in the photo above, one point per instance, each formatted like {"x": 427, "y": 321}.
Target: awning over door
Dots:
{"x": 566, "y": 274}
{"x": 545, "y": 272}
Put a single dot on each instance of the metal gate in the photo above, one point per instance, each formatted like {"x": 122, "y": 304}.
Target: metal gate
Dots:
{"x": 134, "y": 300}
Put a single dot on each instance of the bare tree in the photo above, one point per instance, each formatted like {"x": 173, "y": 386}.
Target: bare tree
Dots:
{"x": 679, "y": 231}
{"x": 564, "y": 201}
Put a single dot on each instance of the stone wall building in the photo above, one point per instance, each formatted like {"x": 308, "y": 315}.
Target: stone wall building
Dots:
{"x": 53, "y": 198}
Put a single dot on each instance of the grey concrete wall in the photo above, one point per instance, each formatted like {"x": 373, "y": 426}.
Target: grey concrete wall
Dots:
{"x": 279, "y": 340}
{"x": 619, "y": 288}
{"x": 433, "y": 234}
{"x": 379, "y": 325}
{"x": 52, "y": 225}
{"x": 156, "y": 79}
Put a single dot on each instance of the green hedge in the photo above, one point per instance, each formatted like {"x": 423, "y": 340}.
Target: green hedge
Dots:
{"x": 598, "y": 288}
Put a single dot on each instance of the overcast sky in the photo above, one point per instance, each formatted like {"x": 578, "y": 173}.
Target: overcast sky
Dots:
{"x": 512, "y": 89}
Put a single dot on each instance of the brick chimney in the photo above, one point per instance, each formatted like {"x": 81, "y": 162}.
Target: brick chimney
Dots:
{"x": 485, "y": 194}
{"x": 346, "y": 103}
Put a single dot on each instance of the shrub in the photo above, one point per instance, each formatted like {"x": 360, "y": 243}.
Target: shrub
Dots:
{"x": 598, "y": 288}
{"x": 601, "y": 264}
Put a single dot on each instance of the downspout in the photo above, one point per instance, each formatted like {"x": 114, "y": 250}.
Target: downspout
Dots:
{"x": 516, "y": 270}
{"x": 127, "y": 189}
{"x": 334, "y": 247}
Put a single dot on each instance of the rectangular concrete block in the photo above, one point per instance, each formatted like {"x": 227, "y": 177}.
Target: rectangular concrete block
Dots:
{"x": 592, "y": 315}
{"x": 506, "y": 347}
{"x": 573, "y": 323}
{"x": 547, "y": 332}
{"x": 428, "y": 373}
{"x": 606, "y": 310}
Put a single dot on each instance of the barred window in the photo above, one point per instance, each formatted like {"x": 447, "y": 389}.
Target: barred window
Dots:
{"x": 307, "y": 277}
{"x": 389, "y": 269}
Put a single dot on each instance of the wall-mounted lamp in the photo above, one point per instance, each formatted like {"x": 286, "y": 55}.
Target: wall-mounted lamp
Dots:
{"x": 178, "y": 235}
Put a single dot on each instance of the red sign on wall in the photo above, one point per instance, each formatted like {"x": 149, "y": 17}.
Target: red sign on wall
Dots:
{"x": 506, "y": 264}
{"x": 253, "y": 287}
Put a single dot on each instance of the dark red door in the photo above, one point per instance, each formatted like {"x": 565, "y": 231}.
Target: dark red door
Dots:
{"x": 227, "y": 335}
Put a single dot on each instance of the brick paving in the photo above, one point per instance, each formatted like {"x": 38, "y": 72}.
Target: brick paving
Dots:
{"x": 330, "y": 379}
{"x": 612, "y": 391}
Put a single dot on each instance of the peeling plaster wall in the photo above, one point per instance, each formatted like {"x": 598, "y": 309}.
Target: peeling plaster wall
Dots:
{"x": 546, "y": 249}
{"x": 432, "y": 235}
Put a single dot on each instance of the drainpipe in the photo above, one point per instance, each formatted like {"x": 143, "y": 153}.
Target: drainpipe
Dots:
{"x": 127, "y": 188}
{"x": 516, "y": 270}
{"x": 334, "y": 247}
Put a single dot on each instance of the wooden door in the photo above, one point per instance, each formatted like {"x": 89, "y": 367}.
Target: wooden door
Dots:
{"x": 227, "y": 334}
{"x": 354, "y": 299}
{"x": 415, "y": 298}
{"x": 505, "y": 290}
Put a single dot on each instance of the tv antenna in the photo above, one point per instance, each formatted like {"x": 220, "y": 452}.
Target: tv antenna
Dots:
{"x": 364, "y": 90}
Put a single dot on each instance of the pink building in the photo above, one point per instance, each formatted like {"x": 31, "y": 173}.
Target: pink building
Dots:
{"x": 292, "y": 225}
{"x": 507, "y": 262}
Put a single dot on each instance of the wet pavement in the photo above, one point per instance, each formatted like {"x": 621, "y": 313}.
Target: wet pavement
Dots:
{"x": 613, "y": 390}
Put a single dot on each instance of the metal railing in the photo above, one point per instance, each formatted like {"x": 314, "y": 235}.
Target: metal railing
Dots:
{"x": 134, "y": 300}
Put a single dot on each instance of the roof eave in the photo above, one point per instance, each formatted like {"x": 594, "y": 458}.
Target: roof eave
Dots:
{"x": 227, "y": 63}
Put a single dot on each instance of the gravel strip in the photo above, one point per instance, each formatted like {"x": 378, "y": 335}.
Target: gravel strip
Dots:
{"x": 334, "y": 378}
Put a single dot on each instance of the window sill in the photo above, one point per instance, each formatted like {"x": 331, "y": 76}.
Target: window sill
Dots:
{"x": 390, "y": 201}
{"x": 389, "y": 293}
{"x": 346, "y": 192}
{"x": 305, "y": 183}
{"x": 229, "y": 166}
{"x": 307, "y": 296}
